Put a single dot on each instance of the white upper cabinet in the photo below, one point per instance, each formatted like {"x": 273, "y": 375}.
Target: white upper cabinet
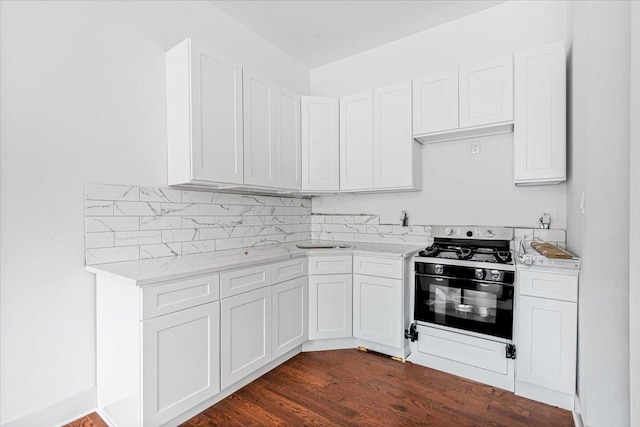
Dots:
{"x": 435, "y": 103}
{"x": 320, "y": 146}
{"x": 259, "y": 130}
{"x": 486, "y": 92}
{"x": 395, "y": 165}
{"x": 540, "y": 115}
{"x": 356, "y": 141}
{"x": 204, "y": 116}
{"x": 288, "y": 157}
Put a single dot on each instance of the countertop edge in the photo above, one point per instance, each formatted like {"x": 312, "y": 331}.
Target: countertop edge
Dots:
{"x": 161, "y": 278}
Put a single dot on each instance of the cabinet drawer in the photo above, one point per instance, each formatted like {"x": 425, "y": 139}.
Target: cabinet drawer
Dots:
{"x": 330, "y": 264}
{"x": 381, "y": 267}
{"x": 481, "y": 353}
{"x": 562, "y": 287}
{"x": 170, "y": 297}
{"x": 287, "y": 270}
{"x": 247, "y": 279}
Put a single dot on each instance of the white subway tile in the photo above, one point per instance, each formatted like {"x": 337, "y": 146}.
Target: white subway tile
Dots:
{"x": 148, "y": 194}
{"x": 198, "y": 246}
{"x": 342, "y": 219}
{"x": 160, "y": 222}
{"x": 99, "y": 240}
{"x": 199, "y": 196}
{"x": 111, "y": 223}
{"x": 549, "y": 235}
{"x": 136, "y": 208}
{"x": 98, "y": 208}
{"x": 179, "y": 209}
{"x": 131, "y": 238}
{"x": 160, "y": 250}
{"x": 118, "y": 254}
{"x": 366, "y": 238}
{"x": 111, "y": 192}
{"x": 199, "y": 221}
{"x": 225, "y": 244}
{"x": 181, "y": 235}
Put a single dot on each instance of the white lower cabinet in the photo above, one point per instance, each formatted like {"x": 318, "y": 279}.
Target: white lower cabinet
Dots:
{"x": 547, "y": 335}
{"x": 245, "y": 334}
{"x": 547, "y": 343}
{"x": 289, "y": 315}
{"x": 330, "y": 306}
{"x": 377, "y": 310}
{"x": 180, "y": 359}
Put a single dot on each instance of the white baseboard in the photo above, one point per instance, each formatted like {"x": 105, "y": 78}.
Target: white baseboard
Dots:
{"x": 59, "y": 413}
{"x": 577, "y": 413}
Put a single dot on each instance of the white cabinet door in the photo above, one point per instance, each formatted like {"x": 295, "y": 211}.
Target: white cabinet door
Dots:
{"x": 486, "y": 92}
{"x": 289, "y": 321}
{"x": 435, "y": 103}
{"x": 392, "y": 137}
{"x": 330, "y": 306}
{"x": 288, "y": 158}
{"x": 259, "y": 130}
{"x": 539, "y": 136}
{"x": 320, "y": 147}
{"x": 245, "y": 334}
{"x": 180, "y": 361}
{"x": 204, "y": 116}
{"x": 356, "y": 141}
{"x": 547, "y": 343}
{"x": 377, "y": 310}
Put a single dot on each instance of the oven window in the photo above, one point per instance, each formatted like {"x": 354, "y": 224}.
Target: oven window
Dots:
{"x": 474, "y": 306}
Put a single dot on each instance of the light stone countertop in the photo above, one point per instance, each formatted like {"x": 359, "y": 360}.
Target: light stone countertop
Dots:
{"x": 148, "y": 271}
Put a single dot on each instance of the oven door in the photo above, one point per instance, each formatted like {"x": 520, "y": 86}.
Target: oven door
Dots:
{"x": 476, "y": 306}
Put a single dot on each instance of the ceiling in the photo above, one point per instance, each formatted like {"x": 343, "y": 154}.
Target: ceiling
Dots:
{"x": 316, "y": 32}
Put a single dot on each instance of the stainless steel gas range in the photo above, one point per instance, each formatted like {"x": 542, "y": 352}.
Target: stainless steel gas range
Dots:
{"x": 463, "y": 303}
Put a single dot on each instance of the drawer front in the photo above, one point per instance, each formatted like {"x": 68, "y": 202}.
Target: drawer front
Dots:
{"x": 245, "y": 280}
{"x": 330, "y": 264}
{"x": 381, "y": 267}
{"x": 288, "y": 270}
{"x": 562, "y": 287}
{"x": 170, "y": 297}
{"x": 462, "y": 348}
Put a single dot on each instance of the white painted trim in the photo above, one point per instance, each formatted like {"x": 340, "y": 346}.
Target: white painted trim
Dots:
{"x": 106, "y": 418}
{"x": 577, "y": 413}
{"x": 329, "y": 344}
{"x": 545, "y": 395}
{"x": 59, "y": 412}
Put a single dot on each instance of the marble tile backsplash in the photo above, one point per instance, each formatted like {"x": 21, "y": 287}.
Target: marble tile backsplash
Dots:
{"x": 366, "y": 228}
{"x": 124, "y": 223}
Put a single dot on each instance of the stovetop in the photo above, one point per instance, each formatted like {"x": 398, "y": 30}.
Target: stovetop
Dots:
{"x": 468, "y": 252}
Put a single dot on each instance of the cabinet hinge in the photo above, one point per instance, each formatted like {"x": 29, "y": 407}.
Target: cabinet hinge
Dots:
{"x": 510, "y": 351}
{"x": 411, "y": 333}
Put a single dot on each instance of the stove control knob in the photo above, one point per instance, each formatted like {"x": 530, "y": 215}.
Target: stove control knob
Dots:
{"x": 495, "y": 274}
{"x": 490, "y": 233}
{"x": 479, "y": 273}
{"x": 439, "y": 269}
{"x": 448, "y": 231}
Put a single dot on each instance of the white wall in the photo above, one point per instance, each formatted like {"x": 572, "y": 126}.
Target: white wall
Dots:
{"x": 83, "y": 101}
{"x": 599, "y": 160}
{"x": 634, "y": 234}
{"x": 458, "y": 188}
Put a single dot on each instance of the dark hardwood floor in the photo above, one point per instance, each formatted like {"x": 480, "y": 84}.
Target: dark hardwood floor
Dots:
{"x": 352, "y": 388}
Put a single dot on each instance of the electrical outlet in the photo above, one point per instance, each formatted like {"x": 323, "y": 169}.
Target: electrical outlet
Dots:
{"x": 475, "y": 147}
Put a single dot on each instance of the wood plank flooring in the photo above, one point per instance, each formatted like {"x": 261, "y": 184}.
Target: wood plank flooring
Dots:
{"x": 352, "y": 388}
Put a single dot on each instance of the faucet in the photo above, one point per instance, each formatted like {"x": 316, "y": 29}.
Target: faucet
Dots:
{"x": 404, "y": 219}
